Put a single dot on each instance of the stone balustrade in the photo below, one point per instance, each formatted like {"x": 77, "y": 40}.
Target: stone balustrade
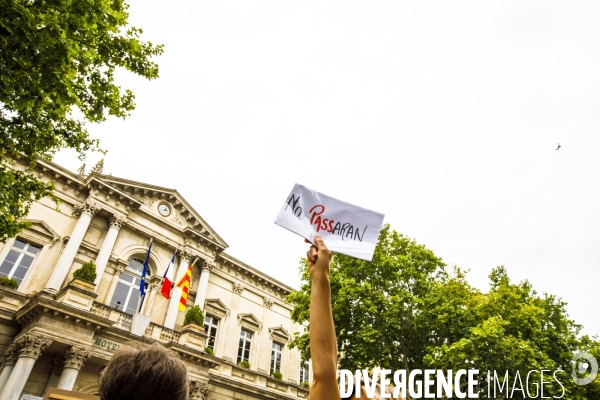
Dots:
{"x": 122, "y": 319}
{"x": 161, "y": 333}
{"x": 261, "y": 378}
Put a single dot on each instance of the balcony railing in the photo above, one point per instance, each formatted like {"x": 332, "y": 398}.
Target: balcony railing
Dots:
{"x": 122, "y": 319}
{"x": 161, "y": 333}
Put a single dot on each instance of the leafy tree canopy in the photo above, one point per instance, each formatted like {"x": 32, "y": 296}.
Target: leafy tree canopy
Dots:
{"x": 407, "y": 310}
{"x": 58, "y": 59}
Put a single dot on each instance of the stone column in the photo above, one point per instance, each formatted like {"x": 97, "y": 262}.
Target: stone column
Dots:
{"x": 116, "y": 222}
{"x": 12, "y": 354}
{"x": 198, "y": 390}
{"x": 61, "y": 269}
{"x": 30, "y": 348}
{"x": 185, "y": 257}
{"x": 74, "y": 359}
{"x": 113, "y": 284}
{"x": 207, "y": 266}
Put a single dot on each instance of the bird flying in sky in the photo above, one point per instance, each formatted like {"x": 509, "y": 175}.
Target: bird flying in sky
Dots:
{"x": 558, "y": 146}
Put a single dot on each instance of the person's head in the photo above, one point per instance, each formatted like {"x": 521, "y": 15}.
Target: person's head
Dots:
{"x": 144, "y": 372}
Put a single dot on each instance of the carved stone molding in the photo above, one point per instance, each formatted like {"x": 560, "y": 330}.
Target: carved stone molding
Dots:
{"x": 97, "y": 169}
{"x": 12, "y": 354}
{"x": 198, "y": 390}
{"x": 268, "y": 302}
{"x": 77, "y": 210}
{"x": 186, "y": 255}
{"x": 89, "y": 207}
{"x": 237, "y": 288}
{"x": 249, "y": 322}
{"x": 75, "y": 357}
{"x": 207, "y": 265}
{"x": 81, "y": 170}
{"x": 279, "y": 335}
{"x": 118, "y": 220}
{"x": 119, "y": 269}
{"x": 32, "y": 345}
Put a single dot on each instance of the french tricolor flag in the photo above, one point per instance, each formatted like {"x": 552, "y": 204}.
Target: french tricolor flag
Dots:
{"x": 168, "y": 278}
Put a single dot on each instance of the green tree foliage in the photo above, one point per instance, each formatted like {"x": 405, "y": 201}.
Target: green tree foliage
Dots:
{"x": 57, "y": 61}
{"x": 87, "y": 272}
{"x": 377, "y": 306}
{"x": 407, "y": 310}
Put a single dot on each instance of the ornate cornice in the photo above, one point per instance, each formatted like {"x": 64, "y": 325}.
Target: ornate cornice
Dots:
{"x": 32, "y": 345}
{"x": 75, "y": 357}
{"x": 233, "y": 267}
{"x": 118, "y": 220}
{"x": 89, "y": 207}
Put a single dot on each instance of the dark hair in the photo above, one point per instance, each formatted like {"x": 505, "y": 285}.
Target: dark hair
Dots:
{"x": 144, "y": 372}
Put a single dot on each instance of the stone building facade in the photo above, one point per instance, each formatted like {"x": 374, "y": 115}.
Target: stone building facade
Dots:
{"x": 59, "y": 332}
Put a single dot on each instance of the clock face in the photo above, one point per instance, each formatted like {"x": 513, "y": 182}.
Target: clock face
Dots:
{"x": 164, "y": 209}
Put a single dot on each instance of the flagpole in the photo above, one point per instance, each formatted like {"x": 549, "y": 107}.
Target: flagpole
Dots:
{"x": 142, "y": 303}
{"x": 163, "y": 277}
{"x": 158, "y": 308}
{"x": 143, "y": 281}
{"x": 161, "y": 284}
{"x": 164, "y": 299}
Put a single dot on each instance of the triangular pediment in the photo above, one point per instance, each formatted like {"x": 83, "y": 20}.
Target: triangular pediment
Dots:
{"x": 216, "y": 308}
{"x": 42, "y": 228}
{"x": 278, "y": 334}
{"x": 249, "y": 322}
{"x": 176, "y": 210}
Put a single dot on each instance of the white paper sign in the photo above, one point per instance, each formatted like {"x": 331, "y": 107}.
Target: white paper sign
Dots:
{"x": 345, "y": 228}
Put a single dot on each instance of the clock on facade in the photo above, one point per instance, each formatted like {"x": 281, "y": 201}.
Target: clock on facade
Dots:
{"x": 164, "y": 209}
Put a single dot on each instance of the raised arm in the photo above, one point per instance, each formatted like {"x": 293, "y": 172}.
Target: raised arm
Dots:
{"x": 323, "y": 349}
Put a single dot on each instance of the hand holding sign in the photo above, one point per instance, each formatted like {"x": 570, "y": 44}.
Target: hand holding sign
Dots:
{"x": 319, "y": 257}
{"x": 345, "y": 228}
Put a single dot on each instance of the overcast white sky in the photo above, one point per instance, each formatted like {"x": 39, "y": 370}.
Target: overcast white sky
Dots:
{"x": 443, "y": 115}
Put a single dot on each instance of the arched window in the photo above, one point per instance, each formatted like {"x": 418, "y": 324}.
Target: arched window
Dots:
{"x": 127, "y": 294}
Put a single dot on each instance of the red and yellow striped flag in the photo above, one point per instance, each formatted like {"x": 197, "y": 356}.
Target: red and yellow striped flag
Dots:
{"x": 184, "y": 284}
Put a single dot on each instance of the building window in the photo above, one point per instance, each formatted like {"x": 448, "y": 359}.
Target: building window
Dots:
{"x": 276, "y": 357}
{"x": 244, "y": 349}
{"x": 127, "y": 293}
{"x": 303, "y": 372}
{"x": 211, "y": 325}
{"x": 18, "y": 260}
